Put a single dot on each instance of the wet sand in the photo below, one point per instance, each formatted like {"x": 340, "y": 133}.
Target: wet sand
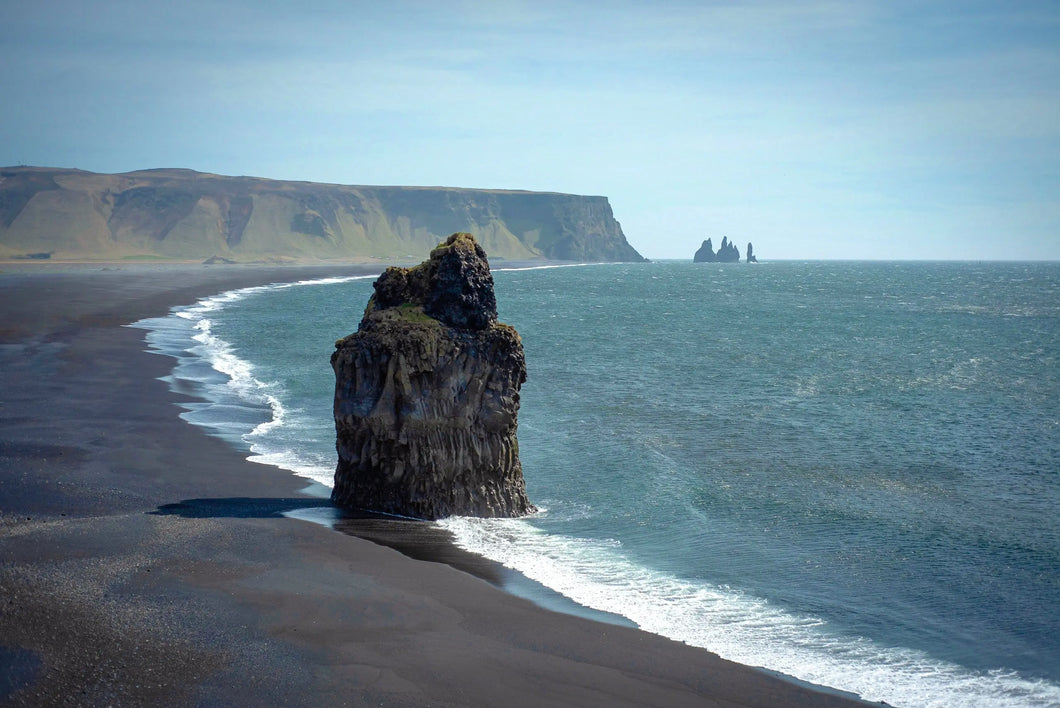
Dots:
{"x": 143, "y": 562}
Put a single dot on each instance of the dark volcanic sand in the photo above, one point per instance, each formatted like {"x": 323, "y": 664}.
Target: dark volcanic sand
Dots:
{"x": 222, "y": 601}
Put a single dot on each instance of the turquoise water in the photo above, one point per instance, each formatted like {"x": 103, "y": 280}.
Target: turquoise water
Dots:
{"x": 846, "y": 472}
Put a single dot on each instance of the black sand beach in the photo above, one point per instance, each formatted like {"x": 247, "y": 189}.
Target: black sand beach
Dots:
{"x": 111, "y": 595}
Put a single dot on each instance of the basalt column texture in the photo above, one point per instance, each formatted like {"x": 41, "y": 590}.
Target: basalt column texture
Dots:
{"x": 427, "y": 394}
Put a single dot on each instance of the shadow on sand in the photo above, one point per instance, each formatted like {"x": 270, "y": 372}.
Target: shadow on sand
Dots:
{"x": 419, "y": 540}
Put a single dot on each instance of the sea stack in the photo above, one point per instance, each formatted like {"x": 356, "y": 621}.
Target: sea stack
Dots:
{"x": 705, "y": 254}
{"x": 427, "y": 394}
{"x": 727, "y": 252}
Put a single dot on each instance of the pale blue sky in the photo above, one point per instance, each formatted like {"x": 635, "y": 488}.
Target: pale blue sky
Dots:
{"x": 819, "y": 129}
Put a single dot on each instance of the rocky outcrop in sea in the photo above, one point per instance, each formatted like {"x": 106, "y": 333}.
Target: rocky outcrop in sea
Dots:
{"x": 727, "y": 252}
{"x": 705, "y": 254}
{"x": 427, "y": 394}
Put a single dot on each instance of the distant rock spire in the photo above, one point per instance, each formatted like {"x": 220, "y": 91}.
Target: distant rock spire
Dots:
{"x": 727, "y": 253}
{"x": 705, "y": 254}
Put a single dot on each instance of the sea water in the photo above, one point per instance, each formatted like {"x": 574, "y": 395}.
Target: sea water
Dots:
{"x": 845, "y": 472}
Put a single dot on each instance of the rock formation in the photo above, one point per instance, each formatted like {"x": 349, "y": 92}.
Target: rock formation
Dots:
{"x": 727, "y": 253}
{"x": 705, "y": 254}
{"x": 427, "y": 394}
{"x": 751, "y": 253}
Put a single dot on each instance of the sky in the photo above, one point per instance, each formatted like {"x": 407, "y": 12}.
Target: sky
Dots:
{"x": 866, "y": 129}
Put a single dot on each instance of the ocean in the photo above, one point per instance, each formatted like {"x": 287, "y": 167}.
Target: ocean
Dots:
{"x": 846, "y": 472}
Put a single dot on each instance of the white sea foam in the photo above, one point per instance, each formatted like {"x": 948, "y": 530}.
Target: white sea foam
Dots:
{"x": 239, "y": 406}
{"x": 737, "y": 626}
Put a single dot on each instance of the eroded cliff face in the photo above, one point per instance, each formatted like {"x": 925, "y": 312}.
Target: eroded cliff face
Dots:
{"x": 427, "y": 394}
{"x": 183, "y": 214}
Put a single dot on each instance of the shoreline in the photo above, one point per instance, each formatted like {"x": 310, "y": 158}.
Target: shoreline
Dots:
{"x": 413, "y": 538}
{"x": 110, "y": 599}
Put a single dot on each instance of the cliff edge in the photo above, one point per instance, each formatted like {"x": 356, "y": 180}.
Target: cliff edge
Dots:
{"x": 171, "y": 214}
{"x": 427, "y": 394}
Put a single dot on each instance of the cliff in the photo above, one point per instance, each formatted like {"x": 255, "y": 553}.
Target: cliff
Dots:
{"x": 427, "y": 394}
{"x": 186, "y": 215}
